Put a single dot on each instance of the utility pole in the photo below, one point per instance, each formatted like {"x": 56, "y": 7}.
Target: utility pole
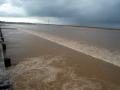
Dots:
{"x": 48, "y": 21}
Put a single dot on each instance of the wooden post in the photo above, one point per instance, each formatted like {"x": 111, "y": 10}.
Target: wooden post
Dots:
{"x": 7, "y": 62}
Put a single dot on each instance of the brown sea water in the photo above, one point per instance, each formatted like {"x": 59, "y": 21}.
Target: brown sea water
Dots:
{"x": 50, "y": 58}
{"x": 99, "y": 43}
{"x": 54, "y": 73}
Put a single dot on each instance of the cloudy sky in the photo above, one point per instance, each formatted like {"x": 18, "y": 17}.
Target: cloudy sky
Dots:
{"x": 77, "y": 11}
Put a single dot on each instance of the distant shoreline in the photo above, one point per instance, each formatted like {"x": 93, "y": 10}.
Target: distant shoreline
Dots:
{"x": 104, "y": 28}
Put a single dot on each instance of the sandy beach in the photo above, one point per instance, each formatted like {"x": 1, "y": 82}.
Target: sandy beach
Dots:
{"x": 41, "y": 64}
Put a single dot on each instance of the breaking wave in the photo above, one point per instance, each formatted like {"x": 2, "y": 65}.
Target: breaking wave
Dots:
{"x": 100, "y": 53}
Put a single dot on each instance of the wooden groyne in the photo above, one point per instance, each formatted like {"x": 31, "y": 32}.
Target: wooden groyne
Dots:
{"x": 4, "y": 63}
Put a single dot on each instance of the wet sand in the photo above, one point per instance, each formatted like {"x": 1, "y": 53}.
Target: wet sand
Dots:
{"x": 39, "y": 64}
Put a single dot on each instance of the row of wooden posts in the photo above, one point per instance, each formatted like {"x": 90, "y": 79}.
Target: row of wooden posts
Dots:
{"x": 4, "y": 82}
{"x": 7, "y": 60}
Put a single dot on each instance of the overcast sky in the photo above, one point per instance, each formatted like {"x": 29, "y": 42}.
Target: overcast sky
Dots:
{"x": 105, "y": 11}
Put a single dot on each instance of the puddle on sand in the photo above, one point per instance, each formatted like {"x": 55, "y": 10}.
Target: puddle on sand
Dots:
{"x": 52, "y": 73}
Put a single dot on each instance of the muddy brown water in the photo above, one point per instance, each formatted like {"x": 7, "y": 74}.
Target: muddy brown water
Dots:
{"x": 39, "y": 64}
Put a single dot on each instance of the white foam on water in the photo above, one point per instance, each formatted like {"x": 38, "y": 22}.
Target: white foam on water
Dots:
{"x": 40, "y": 73}
{"x": 35, "y": 64}
{"x": 100, "y": 53}
{"x": 33, "y": 71}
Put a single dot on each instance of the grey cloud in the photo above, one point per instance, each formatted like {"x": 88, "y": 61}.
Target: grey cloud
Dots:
{"x": 76, "y": 10}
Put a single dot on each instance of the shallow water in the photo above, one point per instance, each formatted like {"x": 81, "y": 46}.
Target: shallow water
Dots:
{"x": 53, "y": 73}
{"x": 82, "y": 46}
{"x": 99, "y": 43}
{"x": 51, "y": 59}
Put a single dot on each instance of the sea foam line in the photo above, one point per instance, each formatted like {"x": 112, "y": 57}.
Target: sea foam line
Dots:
{"x": 100, "y": 53}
